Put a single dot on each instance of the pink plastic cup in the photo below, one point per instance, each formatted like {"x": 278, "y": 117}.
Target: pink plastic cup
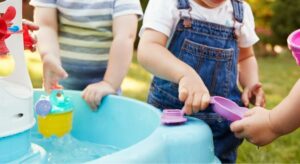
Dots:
{"x": 227, "y": 108}
{"x": 294, "y": 45}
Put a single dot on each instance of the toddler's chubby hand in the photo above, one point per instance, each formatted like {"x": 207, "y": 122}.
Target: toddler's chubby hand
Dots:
{"x": 52, "y": 71}
{"x": 93, "y": 93}
{"x": 255, "y": 95}
{"x": 256, "y": 127}
{"x": 193, "y": 93}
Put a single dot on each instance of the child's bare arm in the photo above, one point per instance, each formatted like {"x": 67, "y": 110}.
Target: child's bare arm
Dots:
{"x": 124, "y": 33}
{"x": 285, "y": 116}
{"x": 261, "y": 126}
{"x": 249, "y": 78}
{"x": 154, "y": 56}
{"x": 46, "y": 19}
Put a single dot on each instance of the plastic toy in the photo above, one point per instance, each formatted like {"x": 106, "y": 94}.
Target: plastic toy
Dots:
{"x": 227, "y": 108}
{"x": 224, "y": 107}
{"x": 29, "y": 42}
{"x": 294, "y": 45}
{"x": 173, "y": 116}
{"x": 134, "y": 128}
{"x": 6, "y": 60}
{"x": 16, "y": 107}
{"x": 55, "y": 113}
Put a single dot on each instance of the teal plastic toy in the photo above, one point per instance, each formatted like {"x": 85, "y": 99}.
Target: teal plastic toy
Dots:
{"x": 55, "y": 113}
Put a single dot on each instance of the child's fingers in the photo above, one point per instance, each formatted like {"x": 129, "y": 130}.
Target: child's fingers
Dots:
{"x": 240, "y": 135}
{"x": 205, "y": 100}
{"x": 183, "y": 94}
{"x": 256, "y": 88}
{"x": 60, "y": 72}
{"x": 98, "y": 98}
{"x": 249, "y": 113}
{"x": 83, "y": 94}
{"x": 47, "y": 85}
{"x": 260, "y": 99}
{"x": 245, "y": 97}
{"x": 90, "y": 100}
{"x": 93, "y": 100}
{"x": 197, "y": 102}
{"x": 237, "y": 127}
{"x": 188, "y": 105}
{"x": 51, "y": 66}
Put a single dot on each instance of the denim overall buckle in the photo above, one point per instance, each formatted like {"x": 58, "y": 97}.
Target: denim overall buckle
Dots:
{"x": 187, "y": 23}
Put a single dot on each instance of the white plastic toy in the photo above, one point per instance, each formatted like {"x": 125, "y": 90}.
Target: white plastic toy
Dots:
{"x": 16, "y": 93}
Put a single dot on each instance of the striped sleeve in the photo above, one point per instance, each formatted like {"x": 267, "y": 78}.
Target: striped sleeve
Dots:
{"x": 126, "y": 7}
{"x": 43, "y": 3}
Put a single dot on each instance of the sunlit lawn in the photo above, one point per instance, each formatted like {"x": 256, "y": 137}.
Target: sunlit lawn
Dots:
{"x": 278, "y": 75}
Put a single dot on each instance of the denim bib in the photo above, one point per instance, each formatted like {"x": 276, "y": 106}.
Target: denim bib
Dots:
{"x": 212, "y": 50}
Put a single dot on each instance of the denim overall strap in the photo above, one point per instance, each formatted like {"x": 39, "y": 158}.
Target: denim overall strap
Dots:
{"x": 238, "y": 10}
{"x": 183, "y": 4}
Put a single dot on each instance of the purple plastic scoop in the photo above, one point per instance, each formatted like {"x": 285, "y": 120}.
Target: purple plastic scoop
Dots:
{"x": 223, "y": 106}
{"x": 227, "y": 108}
{"x": 173, "y": 116}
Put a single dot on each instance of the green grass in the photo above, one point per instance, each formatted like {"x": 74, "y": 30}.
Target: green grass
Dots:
{"x": 278, "y": 75}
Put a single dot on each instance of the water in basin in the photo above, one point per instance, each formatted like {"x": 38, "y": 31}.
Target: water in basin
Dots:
{"x": 68, "y": 149}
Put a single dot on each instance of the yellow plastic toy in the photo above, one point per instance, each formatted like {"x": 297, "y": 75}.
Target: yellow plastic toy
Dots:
{"x": 55, "y": 114}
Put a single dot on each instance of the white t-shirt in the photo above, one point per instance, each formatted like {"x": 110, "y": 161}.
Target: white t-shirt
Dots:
{"x": 163, "y": 16}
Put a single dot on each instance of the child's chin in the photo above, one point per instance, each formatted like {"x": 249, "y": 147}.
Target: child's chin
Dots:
{"x": 213, "y": 3}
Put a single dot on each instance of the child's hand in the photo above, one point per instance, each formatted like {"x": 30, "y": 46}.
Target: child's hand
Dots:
{"x": 193, "y": 93}
{"x": 255, "y": 95}
{"x": 52, "y": 71}
{"x": 93, "y": 93}
{"x": 255, "y": 127}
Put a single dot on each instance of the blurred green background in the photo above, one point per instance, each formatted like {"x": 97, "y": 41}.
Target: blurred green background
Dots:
{"x": 275, "y": 19}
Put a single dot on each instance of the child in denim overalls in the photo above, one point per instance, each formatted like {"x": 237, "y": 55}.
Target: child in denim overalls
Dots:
{"x": 206, "y": 41}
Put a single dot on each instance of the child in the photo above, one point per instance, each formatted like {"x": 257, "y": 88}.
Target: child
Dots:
{"x": 205, "y": 40}
{"x": 261, "y": 126}
{"x": 90, "y": 42}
